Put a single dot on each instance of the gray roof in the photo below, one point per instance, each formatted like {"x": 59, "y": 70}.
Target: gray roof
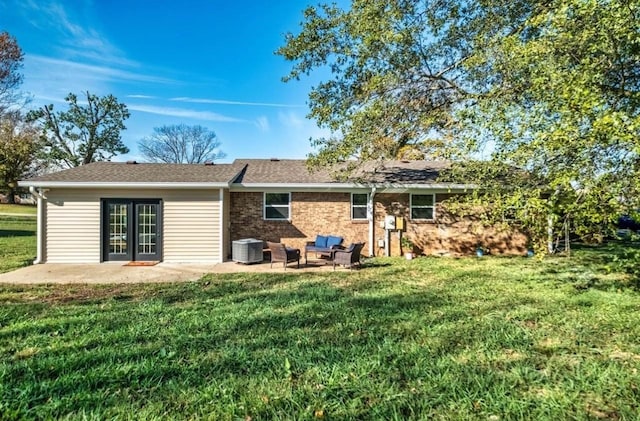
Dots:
{"x": 295, "y": 171}
{"x": 246, "y": 172}
{"x": 403, "y": 172}
{"x": 282, "y": 171}
{"x": 121, "y": 172}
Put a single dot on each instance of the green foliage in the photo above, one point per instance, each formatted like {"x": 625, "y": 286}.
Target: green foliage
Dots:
{"x": 84, "y": 133}
{"x": 19, "y": 147}
{"x": 396, "y": 70}
{"x": 428, "y": 338}
{"x": 181, "y": 144}
{"x": 566, "y": 110}
{"x": 551, "y": 89}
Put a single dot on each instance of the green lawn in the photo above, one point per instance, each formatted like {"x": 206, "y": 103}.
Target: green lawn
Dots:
{"x": 17, "y": 241}
{"x": 432, "y": 338}
{"x": 22, "y": 209}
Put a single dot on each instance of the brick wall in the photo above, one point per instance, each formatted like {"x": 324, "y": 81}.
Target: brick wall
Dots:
{"x": 311, "y": 214}
{"x": 446, "y": 235}
{"x": 330, "y": 213}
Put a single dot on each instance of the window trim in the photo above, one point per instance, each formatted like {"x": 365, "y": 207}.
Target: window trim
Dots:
{"x": 433, "y": 207}
{"x": 365, "y": 206}
{"x": 264, "y": 206}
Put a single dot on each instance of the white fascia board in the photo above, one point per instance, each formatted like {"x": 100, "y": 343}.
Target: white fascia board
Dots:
{"x": 435, "y": 187}
{"x": 342, "y": 187}
{"x": 299, "y": 187}
{"x": 110, "y": 185}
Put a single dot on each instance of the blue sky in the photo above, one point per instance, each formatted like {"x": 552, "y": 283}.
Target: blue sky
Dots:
{"x": 210, "y": 63}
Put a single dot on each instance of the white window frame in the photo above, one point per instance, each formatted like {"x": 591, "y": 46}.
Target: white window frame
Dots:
{"x": 433, "y": 207}
{"x": 365, "y": 206}
{"x": 264, "y": 206}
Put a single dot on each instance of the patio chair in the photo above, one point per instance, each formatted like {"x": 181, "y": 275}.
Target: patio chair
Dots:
{"x": 348, "y": 257}
{"x": 281, "y": 253}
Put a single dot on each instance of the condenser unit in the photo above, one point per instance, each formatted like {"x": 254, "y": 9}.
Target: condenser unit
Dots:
{"x": 248, "y": 250}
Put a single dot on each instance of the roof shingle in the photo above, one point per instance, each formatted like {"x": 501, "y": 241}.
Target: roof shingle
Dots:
{"x": 120, "y": 172}
{"x": 246, "y": 172}
{"x": 295, "y": 171}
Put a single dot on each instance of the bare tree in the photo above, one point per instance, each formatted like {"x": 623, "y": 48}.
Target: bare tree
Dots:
{"x": 181, "y": 144}
{"x": 11, "y": 57}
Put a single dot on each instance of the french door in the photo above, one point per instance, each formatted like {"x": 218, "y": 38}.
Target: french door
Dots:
{"x": 131, "y": 229}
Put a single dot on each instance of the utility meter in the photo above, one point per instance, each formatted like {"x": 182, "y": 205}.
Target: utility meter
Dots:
{"x": 390, "y": 222}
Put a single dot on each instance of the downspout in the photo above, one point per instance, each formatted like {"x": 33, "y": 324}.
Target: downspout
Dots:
{"x": 39, "y": 224}
{"x": 222, "y": 227}
{"x": 371, "y": 217}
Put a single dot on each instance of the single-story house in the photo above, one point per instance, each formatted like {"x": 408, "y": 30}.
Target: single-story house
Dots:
{"x": 108, "y": 211}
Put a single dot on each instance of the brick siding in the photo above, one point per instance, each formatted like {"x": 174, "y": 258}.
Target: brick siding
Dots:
{"x": 330, "y": 213}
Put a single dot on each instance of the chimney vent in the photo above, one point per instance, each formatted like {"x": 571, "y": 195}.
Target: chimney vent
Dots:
{"x": 275, "y": 159}
{"x": 132, "y": 162}
{"x": 208, "y": 163}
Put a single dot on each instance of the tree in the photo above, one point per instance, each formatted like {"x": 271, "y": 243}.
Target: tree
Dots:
{"x": 181, "y": 144}
{"x": 11, "y": 57}
{"x": 84, "y": 133}
{"x": 19, "y": 145}
{"x": 541, "y": 99}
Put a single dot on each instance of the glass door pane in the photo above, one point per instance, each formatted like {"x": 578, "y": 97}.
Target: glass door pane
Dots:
{"x": 118, "y": 229}
{"x": 131, "y": 229}
{"x": 147, "y": 231}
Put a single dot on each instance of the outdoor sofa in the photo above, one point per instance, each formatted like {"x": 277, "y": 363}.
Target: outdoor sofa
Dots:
{"x": 324, "y": 245}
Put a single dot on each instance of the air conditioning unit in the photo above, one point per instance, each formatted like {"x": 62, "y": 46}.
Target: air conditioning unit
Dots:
{"x": 247, "y": 250}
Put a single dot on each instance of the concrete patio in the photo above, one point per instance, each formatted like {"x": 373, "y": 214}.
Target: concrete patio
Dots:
{"x": 108, "y": 273}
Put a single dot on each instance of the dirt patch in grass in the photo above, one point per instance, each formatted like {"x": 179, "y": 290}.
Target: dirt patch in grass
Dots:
{"x": 75, "y": 294}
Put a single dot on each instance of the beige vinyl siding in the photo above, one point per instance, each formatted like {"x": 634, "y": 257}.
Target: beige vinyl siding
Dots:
{"x": 191, "y": 224}
{"x": 72, "y": 227}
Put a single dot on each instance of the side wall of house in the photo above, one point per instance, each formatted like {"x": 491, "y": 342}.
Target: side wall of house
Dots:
{"x": 445, "y": 235}
{"x": 191, "y": 224}
{"x": 311, "y": 214}
{"x": 315, "y": 213}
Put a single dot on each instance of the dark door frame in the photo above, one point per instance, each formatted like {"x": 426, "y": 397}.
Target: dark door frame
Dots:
{"x": 132, "y": 228}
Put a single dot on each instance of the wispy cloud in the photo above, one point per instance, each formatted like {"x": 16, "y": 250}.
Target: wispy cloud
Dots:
{"x": 74, "y": 41}
{"x": 184, "y": 113}
{"x": 262, "y": 123}
{"x": 90, "y": 71}
{"x": 227, "y": 102}
{"x": 141, "y": 96}
{"x": 292, "y": 120}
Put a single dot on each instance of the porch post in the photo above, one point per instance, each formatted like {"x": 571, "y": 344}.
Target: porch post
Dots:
{"x": 371, "y": 217}
{"x": 39, "y": 224}
{"x": 223, "y": 237}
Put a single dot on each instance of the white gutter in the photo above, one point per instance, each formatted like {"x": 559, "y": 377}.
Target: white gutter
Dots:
{"x": 371, "y": 212}
{"x": 39, "y": 224}
{"x": 119, "y": 185}
{"x": 389, "y": 186}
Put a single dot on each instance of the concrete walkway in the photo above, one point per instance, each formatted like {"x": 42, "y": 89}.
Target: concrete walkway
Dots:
{"x": 116, "y": 273}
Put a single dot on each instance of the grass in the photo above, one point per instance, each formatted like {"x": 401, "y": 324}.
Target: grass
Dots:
{"x": 431, "y": 338}
{"x": 21, "y": 209}
{"x": 17, "y": 241}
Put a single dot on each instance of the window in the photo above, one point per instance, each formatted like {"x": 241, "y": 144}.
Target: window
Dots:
{"x": 359, "y": 206}
{"x": 276, "y": 206}
{"x": 423, "y": 206}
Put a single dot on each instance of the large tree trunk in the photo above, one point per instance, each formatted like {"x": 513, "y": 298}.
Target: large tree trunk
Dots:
{"x": 11, "y": 196}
